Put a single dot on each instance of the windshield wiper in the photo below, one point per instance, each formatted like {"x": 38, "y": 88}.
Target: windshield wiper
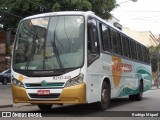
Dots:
{"x": 55, "y": 50}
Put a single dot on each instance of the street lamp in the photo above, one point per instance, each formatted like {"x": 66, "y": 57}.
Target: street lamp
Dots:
{"x": 127, "y": 1}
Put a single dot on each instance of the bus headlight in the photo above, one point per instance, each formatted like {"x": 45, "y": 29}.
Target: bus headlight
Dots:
{"x": 75, "y": 81}
{"x": 17, "y": 82}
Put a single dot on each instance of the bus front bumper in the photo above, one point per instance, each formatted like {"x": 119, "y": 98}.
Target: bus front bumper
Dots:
{"x": 70, "y": 95}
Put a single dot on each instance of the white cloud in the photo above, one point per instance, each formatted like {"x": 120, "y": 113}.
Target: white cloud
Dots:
{"x": 143, "y": 15}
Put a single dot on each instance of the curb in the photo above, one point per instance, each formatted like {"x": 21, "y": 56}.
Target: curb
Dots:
{"x": 6, "y": 106}
{"x": 13, "y": 105}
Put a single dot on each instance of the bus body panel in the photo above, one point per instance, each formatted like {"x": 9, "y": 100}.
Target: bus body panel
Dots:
{"x": 56, "y": 85}
{"x": 75, "y": 94}
{"x": 124, "y": 75}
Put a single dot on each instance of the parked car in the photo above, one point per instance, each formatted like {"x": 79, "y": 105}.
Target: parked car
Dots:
{"x": 5, "y": 77}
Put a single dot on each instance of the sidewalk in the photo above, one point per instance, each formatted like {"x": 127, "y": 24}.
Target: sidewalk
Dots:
{"x": 5, "y": 96}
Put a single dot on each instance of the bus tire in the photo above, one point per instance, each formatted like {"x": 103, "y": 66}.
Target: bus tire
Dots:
{"x": 137, "y": 97}
{"x": 105, "y": 97}
{"x": 44, "y": 107}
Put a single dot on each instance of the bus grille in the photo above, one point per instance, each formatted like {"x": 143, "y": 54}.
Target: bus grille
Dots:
{"x": 34, "y": 95}
{"x": 39, "y": 85}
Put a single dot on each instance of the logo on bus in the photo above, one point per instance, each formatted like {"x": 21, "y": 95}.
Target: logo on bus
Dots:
{"x": 118, "y": 68}
{"x": 43, "y": 83}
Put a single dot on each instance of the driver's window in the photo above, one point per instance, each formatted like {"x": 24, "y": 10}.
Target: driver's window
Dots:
{"x": 93, "y": 44}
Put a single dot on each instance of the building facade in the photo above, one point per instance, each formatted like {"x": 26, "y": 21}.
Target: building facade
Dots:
{"x": 115, "y": 22}
{"x": 4, "y": 59}
{"x": 144, "y": 37}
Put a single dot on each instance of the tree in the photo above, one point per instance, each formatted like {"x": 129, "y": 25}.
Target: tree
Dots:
{"x": 12, "y": 11}
{"x": 154, "y": 53}
{"x": 103, "y": 7}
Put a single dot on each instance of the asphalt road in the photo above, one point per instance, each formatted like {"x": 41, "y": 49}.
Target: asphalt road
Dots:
{"x": 149, "y": 104}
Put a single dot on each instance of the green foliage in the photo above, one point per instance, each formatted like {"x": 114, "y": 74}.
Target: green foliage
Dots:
{"x": 103, "y": 7}
{"x": 12, "y": 11}
{"x": 155, "y": 57}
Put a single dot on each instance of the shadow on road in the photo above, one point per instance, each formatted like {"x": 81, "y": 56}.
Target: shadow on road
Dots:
{"x": 88, "y": 110}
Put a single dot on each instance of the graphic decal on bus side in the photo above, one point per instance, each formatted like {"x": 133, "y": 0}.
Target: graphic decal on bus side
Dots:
{"x": 146, "y": 76}
{"x": 118, "y": 68}
{"x": 128, "y": 89}
{"x": 116, "y": 73}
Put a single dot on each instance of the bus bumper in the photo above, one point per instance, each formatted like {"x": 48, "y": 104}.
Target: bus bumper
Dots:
{"x": 70, "y": 95}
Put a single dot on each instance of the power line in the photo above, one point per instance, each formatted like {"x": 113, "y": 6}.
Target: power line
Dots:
{"x": 146, "y": 17}
{"x": 140, "y": 17}
{"x": 146, "y": 20}
{"x": 134, "y": 11}
{"x": 127, "y": 1}
{"x": 12, "y": 14}
{"x": 27, "y": 11}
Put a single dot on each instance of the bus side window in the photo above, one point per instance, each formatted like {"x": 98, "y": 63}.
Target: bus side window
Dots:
{"x": 116, "y": 42}
{"x": 93, "y": 44}
{"x": 125, "y": 43}
{"x": 106, "y": 42}
{"x": 139, "y": 49}
{"x": 148, "y": 57}
{"x": 133, "y": 49}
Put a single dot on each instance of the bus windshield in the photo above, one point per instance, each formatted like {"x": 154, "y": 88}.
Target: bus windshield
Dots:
{"x": 49, "y": 43}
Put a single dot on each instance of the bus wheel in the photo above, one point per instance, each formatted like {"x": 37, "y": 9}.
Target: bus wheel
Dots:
{"x": 137, "y": 97}
{"x": 45, "y": 107}
{"x": 105, "y": 97}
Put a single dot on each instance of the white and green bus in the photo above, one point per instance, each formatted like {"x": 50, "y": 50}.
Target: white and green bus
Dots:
{"x": 75, "y": 58}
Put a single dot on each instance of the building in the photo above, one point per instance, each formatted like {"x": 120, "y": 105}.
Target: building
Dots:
{"x": 4, "y": 60}
{"x": 115, "y": 22}
{"x": 157, "y": 37}
{"x": 144, "y": 37}
{"x": 2, "y": 56}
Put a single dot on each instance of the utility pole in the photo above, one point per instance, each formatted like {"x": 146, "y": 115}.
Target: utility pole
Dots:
{"x": 127, "y": 1}
{"x": 7, "y": 56}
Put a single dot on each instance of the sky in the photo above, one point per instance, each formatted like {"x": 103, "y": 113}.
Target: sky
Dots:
{"x": 143, "y": 15}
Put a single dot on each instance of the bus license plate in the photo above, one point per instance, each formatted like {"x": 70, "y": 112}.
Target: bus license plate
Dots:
{"x": 43, "y": 92}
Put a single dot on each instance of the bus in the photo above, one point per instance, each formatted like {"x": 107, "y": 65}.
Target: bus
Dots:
{"x": 76, "y": 57}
